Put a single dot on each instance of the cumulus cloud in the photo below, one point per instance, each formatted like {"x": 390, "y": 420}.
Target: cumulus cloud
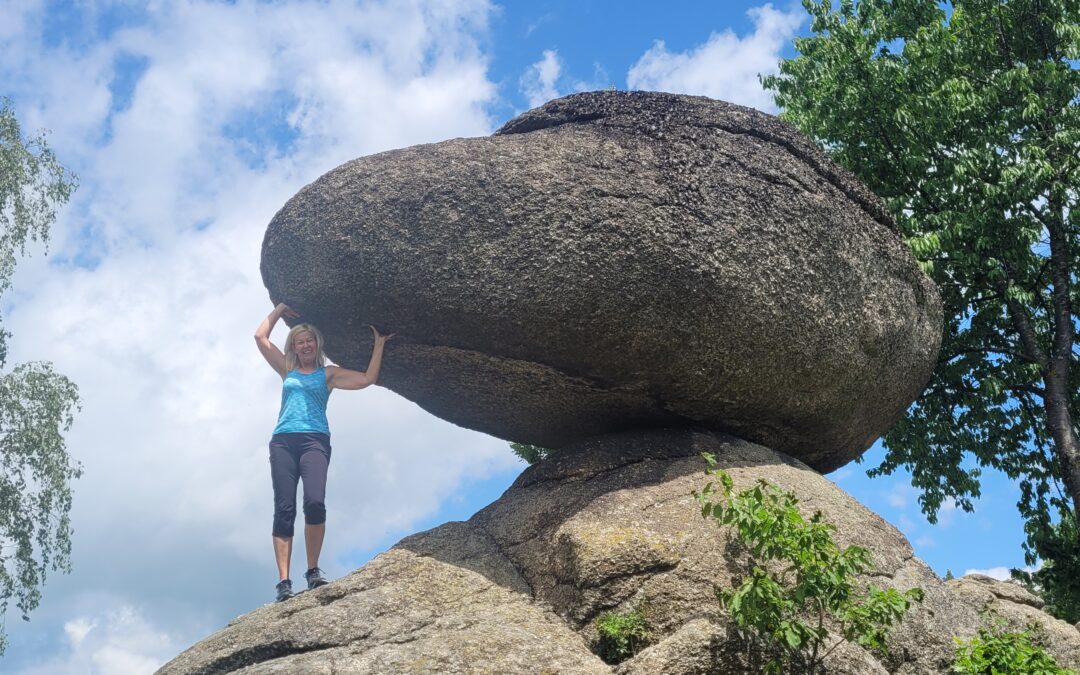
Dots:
{"x": 999, "y": 573}
{"x": 190, "y": 125}
{"x": 547, "y": 79}
{"x": 538, "y": 82}
{"x": 726, "y": 66}
{"x": 109, "y": 642}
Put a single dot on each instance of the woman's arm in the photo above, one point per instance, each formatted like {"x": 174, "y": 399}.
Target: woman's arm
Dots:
{"x": 268, "y": 349}
{"x": 343, "y": 378}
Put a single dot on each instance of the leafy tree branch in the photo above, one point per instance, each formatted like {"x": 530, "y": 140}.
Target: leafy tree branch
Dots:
{"x": 37, "y": 404}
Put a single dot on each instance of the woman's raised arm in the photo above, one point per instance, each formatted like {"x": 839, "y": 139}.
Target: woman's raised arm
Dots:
{"x": 343, "y": 378}
{"x": 268, "y": 349}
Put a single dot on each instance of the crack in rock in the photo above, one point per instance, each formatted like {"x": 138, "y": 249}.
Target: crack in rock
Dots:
{"x": 251, "y": 656}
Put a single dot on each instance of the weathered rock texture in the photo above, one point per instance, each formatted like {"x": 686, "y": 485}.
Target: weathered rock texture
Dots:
{"x": 613, "y": 261}
{"x": 607, "y": 524}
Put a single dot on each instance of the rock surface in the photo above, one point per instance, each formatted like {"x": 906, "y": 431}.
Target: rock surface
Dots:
{"x": 1019, "y": 609}
{"x": 605, "y": 525}
{"x": 615, "y": 261}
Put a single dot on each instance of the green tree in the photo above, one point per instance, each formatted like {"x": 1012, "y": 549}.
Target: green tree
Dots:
{"x": 965, "y": 118}
{"x": 1057, "y": 580}
{"x": 36, "y": 403}
{"x": 530, "y": 453}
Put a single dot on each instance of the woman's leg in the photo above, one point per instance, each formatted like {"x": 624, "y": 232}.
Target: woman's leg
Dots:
{"x": 284, "y": 473}
{"x": 314, "y": 463}
{"x": 313, "y": 539}
{"x": 282, "y": 554}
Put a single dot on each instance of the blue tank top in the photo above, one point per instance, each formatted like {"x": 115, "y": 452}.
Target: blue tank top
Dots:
{"x": 303, "y": 403}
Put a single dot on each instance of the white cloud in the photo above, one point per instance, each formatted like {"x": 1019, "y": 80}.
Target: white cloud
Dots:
{"x": 77, "y": 629}
{"x": 12, "y": 18}
{"x": 999, "y": 573}
{"x": 539, "y": 81}
{"x": 173, "y": 512}
{"x": 726, "y": 66}
{"x": 949, "y": 512}
{"x": 546, "y": 80}
{"x": 900, "y": 494}
{"x": 110, "y": 642}
{"x": 546, "y": 18}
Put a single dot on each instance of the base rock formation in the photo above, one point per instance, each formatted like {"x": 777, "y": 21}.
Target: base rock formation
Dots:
{"x": 607, "y": 523}
{"x": 612, "y": 261}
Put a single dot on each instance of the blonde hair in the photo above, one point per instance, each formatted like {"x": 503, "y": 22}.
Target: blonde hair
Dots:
{"x": 292, "y": 362}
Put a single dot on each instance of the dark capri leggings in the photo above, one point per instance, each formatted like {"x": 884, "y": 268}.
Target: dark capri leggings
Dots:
{"x": 294, "y": 457}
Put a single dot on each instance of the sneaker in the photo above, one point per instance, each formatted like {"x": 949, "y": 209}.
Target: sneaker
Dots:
{"x": 315, "y": 578}
{"x": 284, "y": 590}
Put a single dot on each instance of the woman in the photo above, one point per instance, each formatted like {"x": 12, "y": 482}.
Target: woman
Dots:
{"x": 300, "y": 445}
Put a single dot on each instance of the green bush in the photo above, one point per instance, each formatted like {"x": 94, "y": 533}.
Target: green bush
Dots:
{"x": 995, "y": 652}
{"x": 622, "y": 634}
{"x": 817, "y": 580}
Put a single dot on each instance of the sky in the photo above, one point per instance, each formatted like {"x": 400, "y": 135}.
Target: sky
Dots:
{"x": 190, "y": 123}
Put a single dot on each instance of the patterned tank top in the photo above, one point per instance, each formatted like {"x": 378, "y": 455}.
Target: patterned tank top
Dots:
{"x": 303, "y": 403}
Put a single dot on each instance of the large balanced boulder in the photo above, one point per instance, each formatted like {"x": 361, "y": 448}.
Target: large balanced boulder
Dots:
{"x": 605, "y": 524}
{"x": 613, "y": 261}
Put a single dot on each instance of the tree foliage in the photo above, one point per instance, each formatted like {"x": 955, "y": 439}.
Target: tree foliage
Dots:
{"x": 37, "y": 404}
{"x": 965, "y": 118}
{"x": 817, "y": 578}
{"x": 1057, "y": 580}
{"x": 530, "y": 453}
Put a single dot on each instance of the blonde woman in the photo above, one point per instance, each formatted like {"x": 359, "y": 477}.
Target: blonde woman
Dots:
{"x": 300, "y": 445}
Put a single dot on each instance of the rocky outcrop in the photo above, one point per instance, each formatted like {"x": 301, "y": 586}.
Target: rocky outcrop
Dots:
{"x": 608, "y": 523}
{"x": 1017, "y": 608}
{"x": 616, "y": 261}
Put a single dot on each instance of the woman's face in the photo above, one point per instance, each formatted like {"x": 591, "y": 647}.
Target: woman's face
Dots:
{"x": 305, "y": 347}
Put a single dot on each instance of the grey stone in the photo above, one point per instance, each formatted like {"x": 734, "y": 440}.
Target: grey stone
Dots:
{"x": 401, "y": 613}
{"x": 1016, "y": 609}
{"x": 701, "y": 647}
{"x": 1003, "y": 590}
{"x": 613, "y": 261}
{"x": 609, "y": 524}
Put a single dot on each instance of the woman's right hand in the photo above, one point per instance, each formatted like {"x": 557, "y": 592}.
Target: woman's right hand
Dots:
{"x": 284, "y": 310}
{"x": 269, "y": 351}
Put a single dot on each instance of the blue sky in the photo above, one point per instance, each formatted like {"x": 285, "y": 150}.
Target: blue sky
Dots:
{"x": 190, "y": 124}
